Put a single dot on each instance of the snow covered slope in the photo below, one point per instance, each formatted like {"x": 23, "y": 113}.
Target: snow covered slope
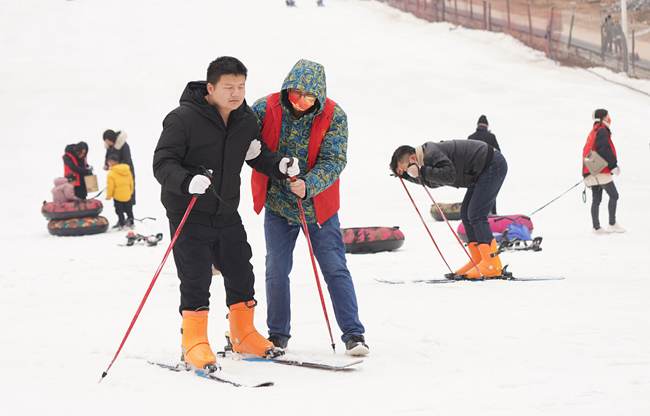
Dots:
{"x": 72, "y": 69}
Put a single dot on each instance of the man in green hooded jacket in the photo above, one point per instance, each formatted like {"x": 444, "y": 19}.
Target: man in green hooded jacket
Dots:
{"x": 300, "y": 122}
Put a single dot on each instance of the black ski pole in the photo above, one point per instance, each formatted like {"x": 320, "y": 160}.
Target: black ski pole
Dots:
{"x": 145, "y": 218}
{"x": 100, "y": 192}
{"x": 581, "y": 181}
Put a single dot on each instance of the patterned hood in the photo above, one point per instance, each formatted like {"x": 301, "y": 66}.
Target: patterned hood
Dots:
{"x": 309, "y": 76}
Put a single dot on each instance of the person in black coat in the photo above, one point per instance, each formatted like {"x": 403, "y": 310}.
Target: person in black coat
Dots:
{"x": 462, "y": 164}
{"x": 213, "y": 132}
{"x": 115, "y": 144}
{"x": 74, "y": 161}
{"x": 483, "y": 134}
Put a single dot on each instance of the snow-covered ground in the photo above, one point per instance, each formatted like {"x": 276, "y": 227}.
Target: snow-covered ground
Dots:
{"x": 72, "y": 69}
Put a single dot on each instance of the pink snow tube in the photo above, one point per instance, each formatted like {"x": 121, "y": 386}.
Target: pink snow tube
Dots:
{"x": 372, "y": 239}
{"x": 68, "y": 210}
{"x": 498, "y": 224}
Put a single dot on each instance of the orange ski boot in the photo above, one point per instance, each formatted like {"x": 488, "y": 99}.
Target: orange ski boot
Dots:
{"x": 243, "y": 335}
{"x": 490, "y": 265}
{"x": 196, "y": 348}
{"x": 475, "y": 253}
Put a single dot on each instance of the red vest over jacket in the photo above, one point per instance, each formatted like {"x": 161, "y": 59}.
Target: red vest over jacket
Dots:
{"x": 591, "y": 145}
{"x": 327, "y": 202}
{"x": 66, "y": 168}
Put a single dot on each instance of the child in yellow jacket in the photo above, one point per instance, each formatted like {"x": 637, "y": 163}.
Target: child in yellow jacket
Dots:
{"x": 120, "y": 188}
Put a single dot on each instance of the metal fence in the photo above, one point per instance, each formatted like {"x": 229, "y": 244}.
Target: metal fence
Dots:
{"x": 565, "y": 36}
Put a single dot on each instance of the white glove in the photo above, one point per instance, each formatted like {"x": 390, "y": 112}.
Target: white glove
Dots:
{"x": 254, "y": 150}
{"x": 292, "y": 170}
{"x": 616, "y": 171}
{"x": 199, "y": 184}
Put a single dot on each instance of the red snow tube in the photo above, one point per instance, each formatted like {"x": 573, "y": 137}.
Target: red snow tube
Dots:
{"x": 78, "y": 226}
{"x": 451, "y": 211}
{"x": 372, "y": 239}
{"x": 67, "y": 210}
{"x": 498, "y": 223}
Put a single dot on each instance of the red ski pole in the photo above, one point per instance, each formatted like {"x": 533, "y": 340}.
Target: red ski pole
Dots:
{"x": 425, "y": 224}
{"x": 153, "y": 281}
{"x": 452, "y": 229}
{"x": 313, "y": 263}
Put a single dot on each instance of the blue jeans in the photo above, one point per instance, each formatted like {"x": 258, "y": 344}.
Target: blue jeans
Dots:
{"x": 479, "y": 200}
{"x": 329, "y": 250}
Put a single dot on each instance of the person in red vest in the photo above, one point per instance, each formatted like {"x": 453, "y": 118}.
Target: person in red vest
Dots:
{"x": 301, "y": 122}
{"x": 74, "y": 161}
{"x": 600, "y": 140}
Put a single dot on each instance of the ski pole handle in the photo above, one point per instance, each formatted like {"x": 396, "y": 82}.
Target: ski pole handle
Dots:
{"x": 208, "y": 172}
{"x": 203, "y": 171}
{"x": 292, "y": 178}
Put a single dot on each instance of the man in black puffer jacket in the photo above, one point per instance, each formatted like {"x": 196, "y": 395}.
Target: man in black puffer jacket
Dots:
{"x": 469, "y": 164}
{"x": 213, "y": 129}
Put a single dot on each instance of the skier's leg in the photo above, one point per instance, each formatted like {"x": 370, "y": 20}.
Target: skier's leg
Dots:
{"x": 329, "y": 250}
{"x": 482, "y": 199}
{"x": 472, "y": 245}
{"x": 485, "y": 193}
{"x": 597, "y": 196}
{"x": 193, "y": 259}
{"x": 611, "y": 190}
{"x": 280, "y": 241}
{"x": 464, "y": 216}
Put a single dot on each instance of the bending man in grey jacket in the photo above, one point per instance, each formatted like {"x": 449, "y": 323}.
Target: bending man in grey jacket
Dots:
{"x": 462, "y": 164}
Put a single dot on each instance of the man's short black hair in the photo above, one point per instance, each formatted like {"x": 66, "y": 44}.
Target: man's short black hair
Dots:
{"x": 113, "y": 157}
{"x": 401, "y": 155}
{"x": 225, "y": 65}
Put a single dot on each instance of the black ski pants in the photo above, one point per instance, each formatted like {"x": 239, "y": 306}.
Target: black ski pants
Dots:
{"x": 197, "y": 248}
{"x": 597, "y": 197}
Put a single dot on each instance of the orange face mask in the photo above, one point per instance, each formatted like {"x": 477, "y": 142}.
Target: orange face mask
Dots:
{"x": 301, "y": 102}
